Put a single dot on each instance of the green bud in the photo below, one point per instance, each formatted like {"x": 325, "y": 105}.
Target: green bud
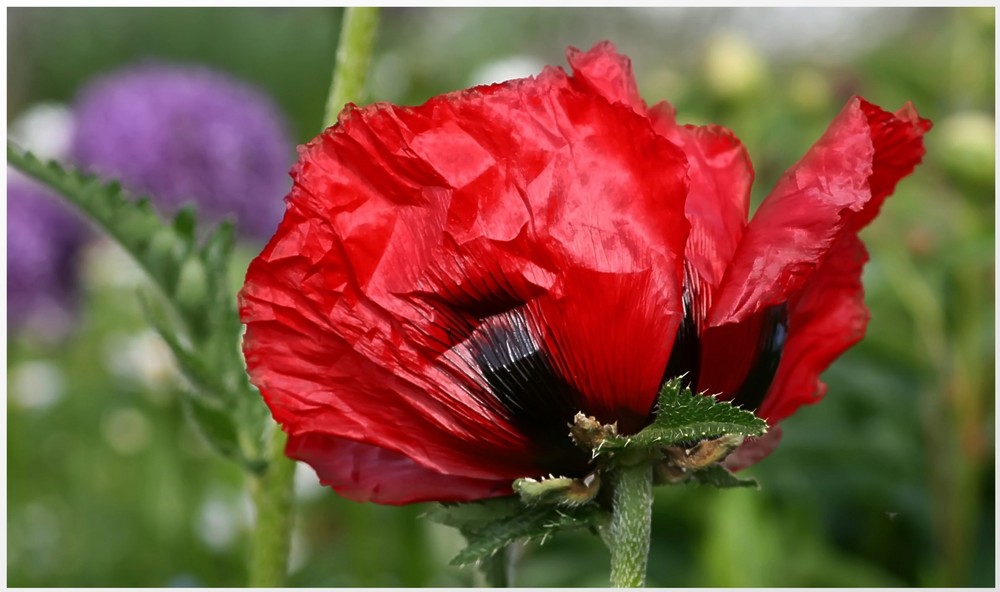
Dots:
{"x": 966, "y": 143}
{"x": 162, "y": 253}
{"x": 809, "y": 90}
{"x": 192, "y": 285}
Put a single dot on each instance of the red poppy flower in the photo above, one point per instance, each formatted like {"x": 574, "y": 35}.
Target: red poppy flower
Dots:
{"x": 452, "y": 282}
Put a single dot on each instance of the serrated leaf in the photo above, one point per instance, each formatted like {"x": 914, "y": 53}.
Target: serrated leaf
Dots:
{"x": 203, "y": 329}
{"x": 718, "y": 476}
{"x": 537, "y": 522}
{"x": 190, "y": 363}
{"x": 682, "y": 416}
{"x": 219, "y": 431}
{"x": 470, "y": 516}
{"x": 214, "y": 425}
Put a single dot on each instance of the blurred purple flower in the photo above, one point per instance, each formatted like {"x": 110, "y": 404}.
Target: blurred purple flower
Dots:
{"x": 188, "y": 133}
{"x": 44, "y": 240}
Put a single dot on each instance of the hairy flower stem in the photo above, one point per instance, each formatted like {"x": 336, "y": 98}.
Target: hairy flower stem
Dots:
{"x": 272, "y": 492}
{"x": 354, "y": 51}
{"x": 628, "y": 535}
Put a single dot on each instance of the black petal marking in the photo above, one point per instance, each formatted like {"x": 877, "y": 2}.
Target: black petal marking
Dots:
{"x": 685, "y": 357}
{"x": 771, "y": 343}
{"x": 535, "y": 398}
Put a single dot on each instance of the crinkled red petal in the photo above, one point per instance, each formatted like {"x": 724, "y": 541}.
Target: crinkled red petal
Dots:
{"x": 606, "y": 73}
{"x": 408, "y": 227}
{"x": 719, "y": 168}
{"x": 899, "y": 148}
{"x": 795, "y": 226}
{"x": 718, "y": 200}
{"x": 825, "y": 318}
{"x": 836, "y": 187}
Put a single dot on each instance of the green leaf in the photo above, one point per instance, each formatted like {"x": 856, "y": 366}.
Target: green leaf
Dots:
{"x": 683, "y": 416}
{"x": 201, "y": 324}
{"x": 471, "y": 516}
{"x": 538, "y": 522}
{"x": 719, "y": 476}
{"x": 490, "y": 525}
{"x": 191, "y": 364}
{"x": 214, "y": 425}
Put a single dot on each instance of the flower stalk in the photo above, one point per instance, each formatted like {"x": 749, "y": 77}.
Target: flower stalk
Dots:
{"x": 628, "y": 535}
{"x": 354, "y": 51}
{"x": 273, "y": 497}
{"x": 498, "y": 571}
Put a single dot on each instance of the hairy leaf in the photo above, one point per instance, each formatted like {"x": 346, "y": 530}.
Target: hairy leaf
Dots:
{"x": 683, "y": 416}
{"x": 470, "y": 516}
{"x": 718, "y": 476}
{"x": 537, "y": 522}
{"x": 201, "y": 324}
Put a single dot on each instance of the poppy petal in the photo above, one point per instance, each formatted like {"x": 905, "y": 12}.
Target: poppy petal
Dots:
{"x": 610, "y": 335}
{"x": 825, "y": 318}
{"x": 718, "y": 199}
{"x": 606, "y": 73}
{"x": 366, "y": 473}
{"x": 899, "y": 148}
{"x": 733, "y": 354}
{"x": 719, "y": 169}
{"x": 836, "y": 186}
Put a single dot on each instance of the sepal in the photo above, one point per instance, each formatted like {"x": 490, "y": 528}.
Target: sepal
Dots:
{"x": 683, "y": 416}
{"x": 563, "y": 491}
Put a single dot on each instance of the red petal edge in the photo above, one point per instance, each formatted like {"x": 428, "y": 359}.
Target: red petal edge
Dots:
{"x": 825, "y": 319}
{"x": 839, "y": 184}
{"x": 366, "y": 473}
{"x": 606, "y": 73}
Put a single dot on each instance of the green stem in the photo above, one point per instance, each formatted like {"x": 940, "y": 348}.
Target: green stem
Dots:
{"x": 631, "y": 517}
{"x": 498, "y": 570}
{"x": 273, "y": 497}
{"x": 357, "y": 39}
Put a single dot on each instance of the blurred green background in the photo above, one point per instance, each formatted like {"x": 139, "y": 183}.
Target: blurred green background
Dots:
{"x": 888, "y": 482}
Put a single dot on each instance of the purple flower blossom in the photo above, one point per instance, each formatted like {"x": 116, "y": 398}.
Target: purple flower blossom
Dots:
{"x": 44, "y": 240}
{"x": 187, "y": 133}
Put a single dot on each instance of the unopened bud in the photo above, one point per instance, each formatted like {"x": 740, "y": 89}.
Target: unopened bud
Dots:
{"x": 192, "y": 285}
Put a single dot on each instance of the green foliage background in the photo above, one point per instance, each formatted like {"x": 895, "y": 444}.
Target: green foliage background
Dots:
{"x": 888, "y": 482}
